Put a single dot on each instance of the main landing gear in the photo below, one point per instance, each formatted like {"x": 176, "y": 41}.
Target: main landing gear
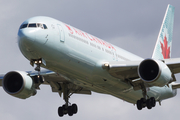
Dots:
{"x": 67, "y": 108}
{"x": 145, "y": 101}
{"x": 149, "y": 103}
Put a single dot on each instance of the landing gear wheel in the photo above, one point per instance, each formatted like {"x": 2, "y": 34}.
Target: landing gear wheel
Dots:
{"x": 74, "y": 108}
{"x": 143, "y": 102}
{"x": 148, "y": 104}
{"x": 70, "y": 111}
{"x": 139, "y": 105}
{"x": 60, "y": 111}
{"x": 153, "y": 101}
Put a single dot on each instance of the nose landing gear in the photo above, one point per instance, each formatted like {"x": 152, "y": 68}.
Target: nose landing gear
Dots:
{"x": 38, "y": 62}
{"x": 38, "y": 79}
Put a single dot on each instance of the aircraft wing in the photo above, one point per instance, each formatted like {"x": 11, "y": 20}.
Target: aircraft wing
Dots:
{"x": 128, "y": 70}
{"x": 56, "y": 82}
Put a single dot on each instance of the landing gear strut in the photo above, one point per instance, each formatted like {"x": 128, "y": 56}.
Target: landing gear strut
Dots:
{"x": 67, "y": 108}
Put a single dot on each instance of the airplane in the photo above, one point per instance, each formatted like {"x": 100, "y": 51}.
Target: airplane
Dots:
{"x": 76, "y": 62}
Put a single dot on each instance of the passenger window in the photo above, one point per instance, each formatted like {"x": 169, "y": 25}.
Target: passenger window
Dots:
{"x": 23, "y": 26}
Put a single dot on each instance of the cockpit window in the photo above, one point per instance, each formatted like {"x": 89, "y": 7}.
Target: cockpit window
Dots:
{"x": 34, "y": 25}
{"x": 23, "y": 26}
{"x": 40, "y": 25}
{"x": 45, "y": 27}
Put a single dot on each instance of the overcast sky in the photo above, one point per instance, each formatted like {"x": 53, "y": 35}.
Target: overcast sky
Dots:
{"x": 130, "y": 24}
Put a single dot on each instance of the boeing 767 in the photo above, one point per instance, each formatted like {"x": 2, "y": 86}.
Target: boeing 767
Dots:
{"x": 78, "y": 62}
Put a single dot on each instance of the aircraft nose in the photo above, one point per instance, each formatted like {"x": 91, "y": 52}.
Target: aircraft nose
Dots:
{"x": 26, "y": 39}
{"x": 26, "y": 35}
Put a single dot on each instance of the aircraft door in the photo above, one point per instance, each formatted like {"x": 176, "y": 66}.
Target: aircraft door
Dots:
{"x": 61, "y": 33}
{"x": 115, "y": 56}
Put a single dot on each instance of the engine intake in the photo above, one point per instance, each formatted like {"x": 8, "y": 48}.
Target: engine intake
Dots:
{"x": 18, "y": 84}
{"x": 154, "y": 72}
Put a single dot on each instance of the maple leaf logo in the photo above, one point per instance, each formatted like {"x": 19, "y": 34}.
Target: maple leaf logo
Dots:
{"x": 165, "y": 48}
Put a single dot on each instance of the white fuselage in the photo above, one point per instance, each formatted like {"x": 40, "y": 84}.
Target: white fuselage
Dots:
{"x": 79, "y": 56}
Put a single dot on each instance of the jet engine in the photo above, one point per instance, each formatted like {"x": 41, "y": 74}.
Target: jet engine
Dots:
{"x": 19, "y": 84}
{"x": 154, "y": 72}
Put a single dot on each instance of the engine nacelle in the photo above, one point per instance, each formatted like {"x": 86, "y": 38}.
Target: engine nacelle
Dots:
{"x": 19, "y": 84}
{"x": 154, "y": 72}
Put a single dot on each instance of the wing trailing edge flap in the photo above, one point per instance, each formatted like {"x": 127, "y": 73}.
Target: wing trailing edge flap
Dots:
{"x": 59, "y": 87}
{"x": 58, "y": 84}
